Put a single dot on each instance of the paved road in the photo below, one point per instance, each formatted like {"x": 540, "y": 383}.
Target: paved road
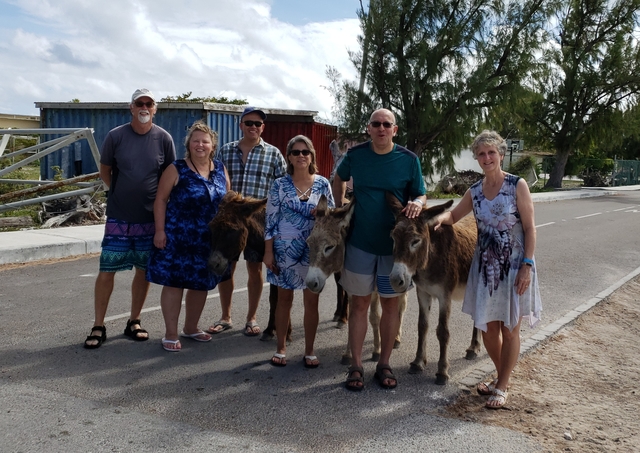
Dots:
{"x": 134, "y": 396}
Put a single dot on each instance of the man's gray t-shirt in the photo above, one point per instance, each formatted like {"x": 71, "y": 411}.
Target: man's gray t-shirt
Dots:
{"x": 136, "y": 162}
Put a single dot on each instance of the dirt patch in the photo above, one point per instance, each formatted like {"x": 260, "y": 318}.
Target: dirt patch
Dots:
{"x": 577, "y": 391}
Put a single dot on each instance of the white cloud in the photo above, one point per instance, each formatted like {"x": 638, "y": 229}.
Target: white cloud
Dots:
{"x": 102, "y": 51}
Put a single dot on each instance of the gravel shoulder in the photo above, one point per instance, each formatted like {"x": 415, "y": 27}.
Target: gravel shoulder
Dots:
{"x": 578, "y": 390}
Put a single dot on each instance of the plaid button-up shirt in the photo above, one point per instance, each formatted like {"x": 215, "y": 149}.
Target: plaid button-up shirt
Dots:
{"x": 264, "y": 164}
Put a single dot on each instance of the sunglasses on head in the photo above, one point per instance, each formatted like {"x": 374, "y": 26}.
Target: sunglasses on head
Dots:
{"x": 250, "y": 123}
{"x": 144, "y": 104}
{"x": 386, "y": 124}
{"x": 297, "y": 152}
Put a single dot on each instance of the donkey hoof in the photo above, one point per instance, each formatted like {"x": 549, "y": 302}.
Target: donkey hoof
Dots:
{"x": 415, "y": 369}
{"x": 375, "y": 356}
{"x": 266, "y": 336}
{"x": 471, "y": 355}
{"x": 345, "y": 360}
{"x": 336, "y": 318}
{"x": 396, "y": 344}
{"x": 441, "y": 379}
{"x": 340, "y": 325}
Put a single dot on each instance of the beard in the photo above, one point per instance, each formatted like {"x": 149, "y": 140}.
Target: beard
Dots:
{"x": 144, "y": 117}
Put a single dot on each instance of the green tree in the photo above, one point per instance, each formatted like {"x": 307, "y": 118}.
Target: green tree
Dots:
{"x": 439, "y": 65}
{"x": 589, "y": 75}
{"x": 186, "y": 97}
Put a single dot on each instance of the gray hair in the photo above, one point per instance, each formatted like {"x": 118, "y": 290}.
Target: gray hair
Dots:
{"x": 489, "y": 138}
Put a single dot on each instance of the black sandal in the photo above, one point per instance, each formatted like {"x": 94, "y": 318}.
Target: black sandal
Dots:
{"x": 134, "y": 333}
{"x": 381, "y": 377}
{"x": 351, "y": 378}
{"x": 99, "y": 338}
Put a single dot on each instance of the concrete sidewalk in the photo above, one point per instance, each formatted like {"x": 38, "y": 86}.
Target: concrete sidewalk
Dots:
{"x": 38, "y": 244}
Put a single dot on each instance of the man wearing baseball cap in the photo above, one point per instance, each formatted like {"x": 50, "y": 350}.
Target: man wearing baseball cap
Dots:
{"x": 132, "y": 158}
{"x": 253, "y": 165}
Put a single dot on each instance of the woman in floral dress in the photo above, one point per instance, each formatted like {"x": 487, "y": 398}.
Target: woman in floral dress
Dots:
{"x": 189, "y": 193}
{"x": 503, "y": 286}
{"x": 290, "y": 205}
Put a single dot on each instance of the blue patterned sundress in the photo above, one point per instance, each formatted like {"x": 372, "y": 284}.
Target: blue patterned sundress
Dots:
{"x": 289, "y": 222}
{"x": 490, "y": 294}
{"x": 193, "y": 202}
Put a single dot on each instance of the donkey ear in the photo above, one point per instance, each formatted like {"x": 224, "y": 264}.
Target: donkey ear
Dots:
{"x": 429, "y": 214}
{"x": 321, "y": 208}
{"x": 393, "y": 203}
{"x": 346, "y": 212}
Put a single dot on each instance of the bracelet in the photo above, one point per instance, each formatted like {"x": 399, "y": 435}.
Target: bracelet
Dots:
{"x": 418, "y": 200}
{"x": 527, "y": 261}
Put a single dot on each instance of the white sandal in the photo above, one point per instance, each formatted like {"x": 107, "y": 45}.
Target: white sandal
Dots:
{"x": 497, "y": 400}
{"x": 488, "y": 388}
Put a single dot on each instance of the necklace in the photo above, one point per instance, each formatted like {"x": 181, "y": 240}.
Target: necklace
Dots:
{"x": 304, "y": 195}
{"x": 206, "y": 176}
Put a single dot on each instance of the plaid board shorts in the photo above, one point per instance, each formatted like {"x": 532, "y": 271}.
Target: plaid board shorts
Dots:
{"x": 126, "y": 245}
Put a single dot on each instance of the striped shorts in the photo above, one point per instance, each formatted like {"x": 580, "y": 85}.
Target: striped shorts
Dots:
{"x": 126, "y": 245}
{"x": 364, "y": 272}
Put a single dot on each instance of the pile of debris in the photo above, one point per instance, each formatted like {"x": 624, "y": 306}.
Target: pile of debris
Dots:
{"x": 458, "y": 182}
{"x": 72, "y": 210}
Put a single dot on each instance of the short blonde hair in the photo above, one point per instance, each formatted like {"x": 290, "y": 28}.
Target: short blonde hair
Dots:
{"x": 202, "y": 127}
{"x": 489, "y": 138}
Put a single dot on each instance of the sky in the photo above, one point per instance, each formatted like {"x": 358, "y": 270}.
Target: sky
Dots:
{"x": 273, "y": 53}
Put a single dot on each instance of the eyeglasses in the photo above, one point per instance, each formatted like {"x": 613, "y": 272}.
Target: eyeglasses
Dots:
{"x": 377, "y": 124}
{"x": 144, "y": 104}
{"x": 297, "y": 152}
{"x": 250, "y": 123}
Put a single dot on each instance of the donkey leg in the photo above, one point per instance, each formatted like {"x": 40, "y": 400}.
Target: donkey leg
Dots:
{"x": 342, "y": 304}
{"x": 474, "y": 348}
{"x": 402, "y": 307}
{"x": 424, "y": 304}
{"x": 374, "y": 320}
{"x": 269, "y": 332}
{"x": 346, "y": 357}
{"x": 442, "y": 332}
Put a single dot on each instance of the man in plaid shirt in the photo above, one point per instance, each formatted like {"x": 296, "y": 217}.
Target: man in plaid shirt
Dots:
{"x": 253, "y": 165}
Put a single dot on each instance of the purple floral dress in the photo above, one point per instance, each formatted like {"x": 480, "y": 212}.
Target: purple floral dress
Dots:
{"x": 490, "y": 294}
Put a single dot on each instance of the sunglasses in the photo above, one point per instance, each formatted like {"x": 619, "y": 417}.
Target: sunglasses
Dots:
{"x": 297, "y": 152}
{"x": 144, "y": 104}
{"x": 250, "y": 123}
{"x": 386, "y": 124}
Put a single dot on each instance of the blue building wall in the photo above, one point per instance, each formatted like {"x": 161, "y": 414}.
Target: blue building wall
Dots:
{"x": 175, "y": 121}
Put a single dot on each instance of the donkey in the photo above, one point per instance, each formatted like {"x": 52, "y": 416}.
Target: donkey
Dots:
{"x": 326, "y": 256}
{"x": 439, "y": 263}
{"x": 240, "y": 221}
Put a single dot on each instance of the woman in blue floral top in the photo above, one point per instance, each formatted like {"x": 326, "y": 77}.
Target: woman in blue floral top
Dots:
{"x": 290, "y": 206}
{"x": 502, "y": 288}
{"x": 189, "y": 193}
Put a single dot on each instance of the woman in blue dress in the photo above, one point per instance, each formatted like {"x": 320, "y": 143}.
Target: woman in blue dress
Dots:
{"x": 290, "y": 206}
{"x": 502, "y": 287}
{"x": 189, "y": 193}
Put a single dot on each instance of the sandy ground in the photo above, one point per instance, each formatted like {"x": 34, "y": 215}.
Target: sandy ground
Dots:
{"x": 579, "y": 390}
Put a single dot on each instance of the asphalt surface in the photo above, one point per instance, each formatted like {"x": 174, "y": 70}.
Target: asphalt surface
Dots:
{"x": 37, "y": 417}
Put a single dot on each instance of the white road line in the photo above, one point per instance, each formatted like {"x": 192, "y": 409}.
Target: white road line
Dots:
{"x": 622, "y": 209}
{"x": 545, "y": 224}
{"x": 588, "y": 215}
{"x": 156, "y": 308}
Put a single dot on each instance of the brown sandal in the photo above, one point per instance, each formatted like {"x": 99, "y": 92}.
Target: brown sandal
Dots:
{"x": 351, "y": 379}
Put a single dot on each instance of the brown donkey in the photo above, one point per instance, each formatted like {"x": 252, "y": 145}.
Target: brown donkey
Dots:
{"x": 438, "y": 262}
{"x": 240, "y": 221}
{"x": 326, "y": 256}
